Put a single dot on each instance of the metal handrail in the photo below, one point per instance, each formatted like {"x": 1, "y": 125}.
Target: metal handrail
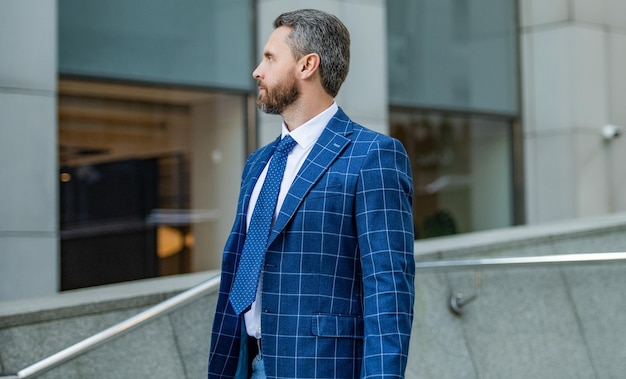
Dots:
{"x": 212, "y": 283}
{"x": 542, "y": 260}
{"x": 116, "y": 330}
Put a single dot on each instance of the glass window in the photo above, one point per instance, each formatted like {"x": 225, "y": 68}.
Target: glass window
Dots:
{"x": 205, "y": 43}
{"x": 146, "y": 177}
{"x": 453, "y": 54}
{"x": 462, "y": 170}
{"x": 153, "y": 111}
{"x": 453, "y": 93}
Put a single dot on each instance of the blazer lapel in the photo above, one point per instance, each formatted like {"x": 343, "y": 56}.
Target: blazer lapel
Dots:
{"x": 330, "y": 144}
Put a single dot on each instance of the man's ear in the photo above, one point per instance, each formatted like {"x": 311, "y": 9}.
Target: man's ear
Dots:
{"x": 308, "y": 65}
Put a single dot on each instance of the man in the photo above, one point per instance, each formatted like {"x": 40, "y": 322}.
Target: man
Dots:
{"x": 334, "y": 293}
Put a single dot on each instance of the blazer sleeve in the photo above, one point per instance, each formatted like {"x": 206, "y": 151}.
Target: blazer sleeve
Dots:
{"x": 385, "y": 232}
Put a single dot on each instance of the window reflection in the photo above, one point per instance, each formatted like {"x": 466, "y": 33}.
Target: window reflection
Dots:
{"x": 461, "y": 170}
{"x": 136, "y": 182}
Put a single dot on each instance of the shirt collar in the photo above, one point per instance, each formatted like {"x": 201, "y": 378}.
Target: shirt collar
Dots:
{"x": 308, "y": 133}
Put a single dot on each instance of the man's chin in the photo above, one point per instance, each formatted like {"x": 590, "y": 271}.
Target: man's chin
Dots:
{"x": 265, "y": 109}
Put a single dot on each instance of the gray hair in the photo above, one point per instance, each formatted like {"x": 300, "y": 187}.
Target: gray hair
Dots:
{"x": 314, "y": 31}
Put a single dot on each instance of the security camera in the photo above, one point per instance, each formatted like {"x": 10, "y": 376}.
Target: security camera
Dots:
{"x": 610, "y": 132}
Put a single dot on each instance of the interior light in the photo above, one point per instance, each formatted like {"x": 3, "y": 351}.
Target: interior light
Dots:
{"x": 169, "y": 241}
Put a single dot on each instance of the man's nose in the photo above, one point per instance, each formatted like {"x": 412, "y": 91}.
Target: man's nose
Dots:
{"x": 256, "y": 74}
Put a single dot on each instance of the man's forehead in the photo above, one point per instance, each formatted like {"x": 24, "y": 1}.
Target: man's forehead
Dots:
{"x": 277, "y": 40}
{"x": 279, "y": 35}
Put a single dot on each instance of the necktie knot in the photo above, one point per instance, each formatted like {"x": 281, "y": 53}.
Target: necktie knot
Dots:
{"x": 286, "y": 144}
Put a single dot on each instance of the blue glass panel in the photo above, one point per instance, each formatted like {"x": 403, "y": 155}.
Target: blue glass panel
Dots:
{"x": 204, "y": 43}
{"x": 453, "y": 54}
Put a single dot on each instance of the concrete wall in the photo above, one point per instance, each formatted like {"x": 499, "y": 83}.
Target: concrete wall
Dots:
{"x": 173, "y": 346}
{"x": 573, "y": 53}
{"x": 541, "y": 322}
{"x": 28, "y": 149}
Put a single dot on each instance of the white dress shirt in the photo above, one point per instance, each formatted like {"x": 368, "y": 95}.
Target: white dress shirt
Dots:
{"x": 306, "y": 135}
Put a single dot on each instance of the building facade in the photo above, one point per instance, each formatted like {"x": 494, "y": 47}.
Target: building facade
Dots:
{"x": 503, "y": 106}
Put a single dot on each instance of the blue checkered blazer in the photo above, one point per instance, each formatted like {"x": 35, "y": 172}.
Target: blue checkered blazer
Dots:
{"x": 338, "y": 274}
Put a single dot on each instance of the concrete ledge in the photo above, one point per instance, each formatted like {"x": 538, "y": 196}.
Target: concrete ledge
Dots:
{"x": 96, "y": 300}
{"x": 480, "y": 243}
{"x": 174, "y": 345}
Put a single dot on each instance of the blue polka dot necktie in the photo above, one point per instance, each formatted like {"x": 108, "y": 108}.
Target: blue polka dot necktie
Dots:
{"x": 247, "y": 277}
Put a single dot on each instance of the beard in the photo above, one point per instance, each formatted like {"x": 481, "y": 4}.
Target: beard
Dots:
{"x": 275, "y": 100}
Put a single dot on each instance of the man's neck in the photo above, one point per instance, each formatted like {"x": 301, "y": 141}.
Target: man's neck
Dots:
{"x": 296, "y": 116}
